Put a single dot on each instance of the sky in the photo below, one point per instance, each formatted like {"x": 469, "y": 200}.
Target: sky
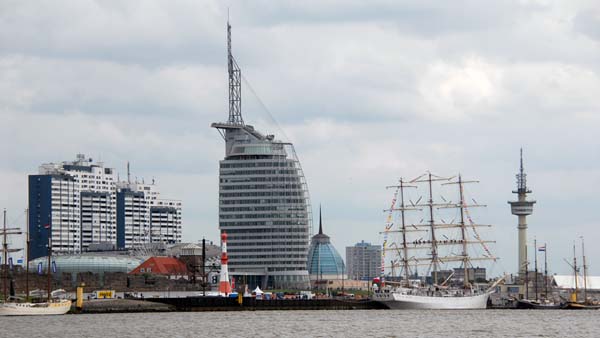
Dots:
{"x": 368, "y": 92}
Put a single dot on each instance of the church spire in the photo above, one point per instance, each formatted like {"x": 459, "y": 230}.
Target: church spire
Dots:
{"x": 320, "y": 221}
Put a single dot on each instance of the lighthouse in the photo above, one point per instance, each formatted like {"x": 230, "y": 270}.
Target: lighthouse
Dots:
{"x": 522, "y": 208}
{"x": 224, "y": 285}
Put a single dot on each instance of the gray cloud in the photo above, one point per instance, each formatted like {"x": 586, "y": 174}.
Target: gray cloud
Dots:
{"x": 385, "y": 89}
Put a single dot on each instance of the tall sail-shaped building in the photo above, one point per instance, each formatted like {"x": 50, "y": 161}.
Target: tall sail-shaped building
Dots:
{"x": 264, "y": 206}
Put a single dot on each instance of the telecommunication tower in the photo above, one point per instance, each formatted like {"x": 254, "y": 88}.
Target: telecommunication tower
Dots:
{"x": 522, "y": 208}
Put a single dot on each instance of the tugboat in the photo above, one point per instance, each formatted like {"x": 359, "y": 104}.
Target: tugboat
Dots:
{"x": 407, "y": 295}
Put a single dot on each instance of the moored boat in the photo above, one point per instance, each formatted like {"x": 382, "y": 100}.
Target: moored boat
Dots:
{"x": 537, "y": 305}
{"x": 54, "y": 307}
{"x": 437, "y": 295}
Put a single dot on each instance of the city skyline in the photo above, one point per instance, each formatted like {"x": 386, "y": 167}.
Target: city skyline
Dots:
{"x": 389, "y": 90}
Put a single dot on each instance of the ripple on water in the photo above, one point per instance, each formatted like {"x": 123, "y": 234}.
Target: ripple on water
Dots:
{"x": 359, "y": 323}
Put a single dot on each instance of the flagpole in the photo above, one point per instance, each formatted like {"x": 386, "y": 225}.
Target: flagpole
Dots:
{"x": 27, "y": 256}
{"x": 49, "y": 260}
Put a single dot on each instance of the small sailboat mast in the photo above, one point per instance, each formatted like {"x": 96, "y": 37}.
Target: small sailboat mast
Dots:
{"x": 5, "y": 253}
{"x": 546, "y": 270}
{"x": 5, "y": 257}
{"x": 584, "y": 271}
{"x": 535, "y": 285}
{"x": 574, "y": 295}
{"x": 27, "y": 254}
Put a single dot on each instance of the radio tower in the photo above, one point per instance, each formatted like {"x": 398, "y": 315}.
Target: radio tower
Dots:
{"x": 522, "y": 208}
{"x": 224, "y": 285}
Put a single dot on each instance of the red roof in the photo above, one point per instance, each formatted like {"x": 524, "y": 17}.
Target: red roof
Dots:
{"x": 161, "y": 266}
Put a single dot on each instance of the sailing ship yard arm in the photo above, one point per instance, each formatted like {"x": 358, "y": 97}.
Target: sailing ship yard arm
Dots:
{"x": 450, "y": 225}
{"x": 413, "y": 246}
{"x": 426, "y": 261}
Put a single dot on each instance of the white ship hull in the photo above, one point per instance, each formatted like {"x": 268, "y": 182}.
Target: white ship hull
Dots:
{"x": 399, "y": 300}
{"x": 35, "y": 309}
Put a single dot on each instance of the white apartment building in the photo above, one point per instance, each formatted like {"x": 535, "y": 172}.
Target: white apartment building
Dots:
{"x": 81, "y": 202}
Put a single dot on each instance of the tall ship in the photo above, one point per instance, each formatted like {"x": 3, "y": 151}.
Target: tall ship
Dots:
{"x": 434, "y": 245}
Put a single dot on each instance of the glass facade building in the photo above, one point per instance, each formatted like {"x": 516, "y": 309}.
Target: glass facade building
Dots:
{"x": 264, "y": 209}
{"x": 264, "y": 205}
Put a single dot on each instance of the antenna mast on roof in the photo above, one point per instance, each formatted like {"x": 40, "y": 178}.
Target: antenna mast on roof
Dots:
{"x": 235, "y": 84}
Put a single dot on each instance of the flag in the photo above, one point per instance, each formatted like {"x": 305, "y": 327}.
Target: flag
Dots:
{"x": 542, "y": 248}
{"x": 10, "y": 263}
{"x": 53, "y": 267}
{"x": 40, "y": 272}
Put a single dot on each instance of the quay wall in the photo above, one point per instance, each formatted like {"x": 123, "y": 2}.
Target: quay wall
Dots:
{"x": 253, "y": 304}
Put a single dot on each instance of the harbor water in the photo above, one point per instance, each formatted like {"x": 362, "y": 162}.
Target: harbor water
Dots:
{"x": 323, "y": 323}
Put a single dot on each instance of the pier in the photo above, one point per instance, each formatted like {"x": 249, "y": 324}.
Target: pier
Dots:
{"x": 188, "y": 304}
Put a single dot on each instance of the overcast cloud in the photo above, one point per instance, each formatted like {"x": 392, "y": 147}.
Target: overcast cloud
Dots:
{"x": 367, "y": 91}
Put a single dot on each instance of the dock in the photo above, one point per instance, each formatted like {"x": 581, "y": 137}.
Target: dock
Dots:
{"x": 189, "y": 304}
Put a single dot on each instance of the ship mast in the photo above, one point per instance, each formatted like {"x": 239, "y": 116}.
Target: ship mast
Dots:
{"x": 584, "y": 272}
{"x": 434, "y": 244}
{"x": 5, "y": 252}
{"x": 575, "y": 274}
{"x": 546, "y": 270}
{"x": 403, "y": 208}
{"x": 462, "y": 206}
{"x": 535, "y": 249}
{"x": 5, "y": 256}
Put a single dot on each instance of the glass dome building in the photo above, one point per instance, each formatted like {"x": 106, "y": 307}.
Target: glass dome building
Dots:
{"x": 98, "y": 264}
{"x": 324, "y": 262}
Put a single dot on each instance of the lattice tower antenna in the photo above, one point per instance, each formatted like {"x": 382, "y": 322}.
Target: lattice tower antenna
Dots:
{"x": 235, "y": 85}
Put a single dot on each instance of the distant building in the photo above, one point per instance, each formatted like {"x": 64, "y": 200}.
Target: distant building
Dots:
{"x": 363, "y": 261}
{"x": 143, "y": 217}
{"x": 165, "y": 222}
{"x": 476, "y": 274}
{"x": 324, "y": 262}
{"x": 75, "y": 202}
{"x": 80, "y": 203}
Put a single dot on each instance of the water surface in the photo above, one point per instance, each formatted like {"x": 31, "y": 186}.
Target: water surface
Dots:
{"x": 355, "y": 323}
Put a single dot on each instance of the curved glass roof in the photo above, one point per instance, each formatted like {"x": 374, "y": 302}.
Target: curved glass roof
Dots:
{"x": 88, "y": 263}
{"x": 323, "y": 258}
